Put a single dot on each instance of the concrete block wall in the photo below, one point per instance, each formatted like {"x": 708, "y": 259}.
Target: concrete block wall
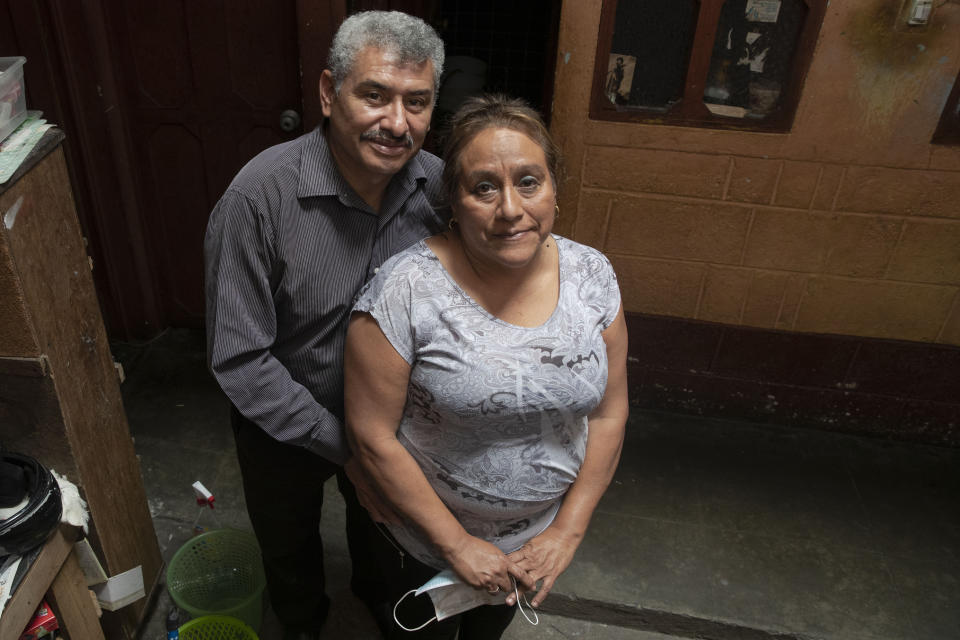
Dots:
{"x": 849, "y": 224}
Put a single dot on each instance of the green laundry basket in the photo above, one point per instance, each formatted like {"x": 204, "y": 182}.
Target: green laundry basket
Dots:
{"x": 217, "y": 628}
{"x": 219, "y": 573}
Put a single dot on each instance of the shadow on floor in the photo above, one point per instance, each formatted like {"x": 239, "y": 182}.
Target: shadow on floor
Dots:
{"x": 711, "y": 529}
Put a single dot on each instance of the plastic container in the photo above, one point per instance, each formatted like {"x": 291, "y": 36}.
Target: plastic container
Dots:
{"x": 217, "y": 628}
{"x": 219, "y": 573}
{"x": 13, "y": 95}
{"x": 173, "y": 624}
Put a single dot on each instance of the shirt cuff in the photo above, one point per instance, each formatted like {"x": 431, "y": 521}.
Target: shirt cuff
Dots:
{"x": 330, "y": 440}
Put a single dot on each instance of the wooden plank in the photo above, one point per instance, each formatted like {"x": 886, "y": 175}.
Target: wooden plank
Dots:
{"x": 25, "y": 600}
{"x": 31, "y": 421}
{"x": 17, "y": 338}
{"x": 72, "y": 602}
{"x": 51, "y": 262}
{"x": 23, "y": 367}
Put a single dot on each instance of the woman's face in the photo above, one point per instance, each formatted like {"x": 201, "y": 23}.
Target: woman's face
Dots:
{"x": 505, "y": 200}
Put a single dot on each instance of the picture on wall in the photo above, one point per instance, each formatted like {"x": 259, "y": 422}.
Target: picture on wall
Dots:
{"x": 619, "y": 77}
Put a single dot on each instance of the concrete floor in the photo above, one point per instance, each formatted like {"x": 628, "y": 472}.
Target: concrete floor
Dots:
{"x": 711, "y": 529}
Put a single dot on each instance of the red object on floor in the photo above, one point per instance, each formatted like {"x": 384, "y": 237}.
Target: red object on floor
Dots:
{"x": 42, "y": 624}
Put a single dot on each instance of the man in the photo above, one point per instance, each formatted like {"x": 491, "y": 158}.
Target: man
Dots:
{"x": 300, "y": 229}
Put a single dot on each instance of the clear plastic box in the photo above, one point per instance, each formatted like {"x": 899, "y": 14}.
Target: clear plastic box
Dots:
{"x": 13, "y": 98}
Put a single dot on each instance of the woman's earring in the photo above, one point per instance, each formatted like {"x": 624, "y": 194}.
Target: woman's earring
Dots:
{"x": 452, "y": 223}
{"x": 557, "y": 208}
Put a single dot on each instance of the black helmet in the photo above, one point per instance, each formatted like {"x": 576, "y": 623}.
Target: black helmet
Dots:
{"x": 32, "y": 523}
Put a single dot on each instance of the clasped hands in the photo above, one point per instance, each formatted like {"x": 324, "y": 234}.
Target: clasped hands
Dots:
{"x": 541, "y": 560}
{"x": 477, "y": 562}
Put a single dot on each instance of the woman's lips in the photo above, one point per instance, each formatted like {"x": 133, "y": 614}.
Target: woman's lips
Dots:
{"x": 511, "y": 235}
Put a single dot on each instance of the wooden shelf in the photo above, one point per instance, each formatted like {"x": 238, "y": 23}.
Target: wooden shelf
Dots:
{"x": 55, "y": 574}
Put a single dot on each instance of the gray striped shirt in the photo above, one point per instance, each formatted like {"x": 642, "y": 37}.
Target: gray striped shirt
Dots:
{"x": 287, "y": 248}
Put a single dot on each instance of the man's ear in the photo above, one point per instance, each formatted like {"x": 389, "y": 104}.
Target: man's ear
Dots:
{"x": 328, "y": 92}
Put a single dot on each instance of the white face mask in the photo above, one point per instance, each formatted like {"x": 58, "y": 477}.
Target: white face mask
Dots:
{"x": 451, "y": 596}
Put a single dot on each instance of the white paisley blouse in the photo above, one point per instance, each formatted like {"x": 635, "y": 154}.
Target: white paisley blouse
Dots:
{"x": 496, "y": 414}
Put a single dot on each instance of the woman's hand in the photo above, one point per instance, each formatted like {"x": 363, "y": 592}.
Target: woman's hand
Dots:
{"x": 483, "y": 566}
{"x": 545, "y": 557}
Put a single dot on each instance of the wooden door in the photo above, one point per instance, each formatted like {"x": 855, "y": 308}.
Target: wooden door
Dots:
{"x": 163, "y": 102}
{"x": 203, "y": 86}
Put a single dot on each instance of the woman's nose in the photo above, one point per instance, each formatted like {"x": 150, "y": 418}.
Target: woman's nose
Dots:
{"x": 510, "y": 204}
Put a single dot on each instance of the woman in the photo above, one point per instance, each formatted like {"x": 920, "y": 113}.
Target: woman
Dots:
{"x": 485, "y": 373}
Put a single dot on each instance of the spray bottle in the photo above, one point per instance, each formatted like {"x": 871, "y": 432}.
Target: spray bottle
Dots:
{"x": 205, "y": 500}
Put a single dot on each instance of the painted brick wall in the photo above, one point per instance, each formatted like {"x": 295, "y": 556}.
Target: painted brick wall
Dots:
{"x": 849, "y": 224}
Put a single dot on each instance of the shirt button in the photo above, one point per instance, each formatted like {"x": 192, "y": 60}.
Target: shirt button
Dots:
{"x": 376, "y": 269}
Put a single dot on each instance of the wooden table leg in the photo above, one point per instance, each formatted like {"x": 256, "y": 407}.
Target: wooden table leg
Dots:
{"x": 70, "y": 599}
{"x": 23, "y": 603}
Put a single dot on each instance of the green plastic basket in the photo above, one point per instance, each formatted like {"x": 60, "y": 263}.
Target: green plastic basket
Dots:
{"x": 219, "y": 573}
{"x": 217, "y": 628}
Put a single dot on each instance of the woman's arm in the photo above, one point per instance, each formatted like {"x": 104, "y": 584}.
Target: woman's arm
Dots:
{"x": 548, "y": 555}
{"x": 375, "y": 390}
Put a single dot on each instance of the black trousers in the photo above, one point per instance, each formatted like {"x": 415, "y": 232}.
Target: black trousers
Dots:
{"x": 402, "y": 573}
{"x": 283, "y": 489}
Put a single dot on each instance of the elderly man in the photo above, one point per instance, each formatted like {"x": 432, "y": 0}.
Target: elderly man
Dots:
{"x": 299, "y": 230}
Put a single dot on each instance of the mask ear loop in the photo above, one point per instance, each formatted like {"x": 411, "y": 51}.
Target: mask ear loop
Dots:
{"x": 400, "y": 624}
{"x": 523, "y": 598}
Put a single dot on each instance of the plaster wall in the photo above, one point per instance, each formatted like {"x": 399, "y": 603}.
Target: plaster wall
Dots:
{"x": 848, "y": 224}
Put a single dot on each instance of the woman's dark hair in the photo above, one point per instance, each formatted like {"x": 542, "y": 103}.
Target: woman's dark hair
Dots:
{"x": 480, "y": 113}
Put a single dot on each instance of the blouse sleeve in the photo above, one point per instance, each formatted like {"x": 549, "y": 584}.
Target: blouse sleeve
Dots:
{"x": 387, "y": 297}
{"x": 612, "y": 297}
{"x": 597, "y": 287}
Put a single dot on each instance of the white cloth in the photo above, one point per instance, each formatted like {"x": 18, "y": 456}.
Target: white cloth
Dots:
{"x": 74, "y": 507}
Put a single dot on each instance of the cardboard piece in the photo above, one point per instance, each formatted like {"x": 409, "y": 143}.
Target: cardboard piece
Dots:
{"x": 89, "y": 564}
{"x": 121, "y": 589}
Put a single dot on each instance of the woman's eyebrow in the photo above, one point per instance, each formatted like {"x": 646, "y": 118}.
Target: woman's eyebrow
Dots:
{"x": 533, "y": 169}
{"x": 480, "y": 174}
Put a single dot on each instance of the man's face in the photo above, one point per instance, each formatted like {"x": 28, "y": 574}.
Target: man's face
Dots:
{"x": 380, "y": 117}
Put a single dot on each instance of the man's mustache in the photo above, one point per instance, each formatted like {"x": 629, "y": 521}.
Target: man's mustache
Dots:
{"x": 379, "y": 135}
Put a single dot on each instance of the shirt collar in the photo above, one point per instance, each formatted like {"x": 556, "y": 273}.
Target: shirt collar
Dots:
{"x": 319, "y": 175}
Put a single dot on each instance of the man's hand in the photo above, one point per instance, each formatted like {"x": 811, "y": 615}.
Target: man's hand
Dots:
{"x": 368, "y": 495}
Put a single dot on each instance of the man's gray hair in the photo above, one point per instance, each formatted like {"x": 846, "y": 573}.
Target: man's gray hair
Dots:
{"x": 409, "y": 39}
